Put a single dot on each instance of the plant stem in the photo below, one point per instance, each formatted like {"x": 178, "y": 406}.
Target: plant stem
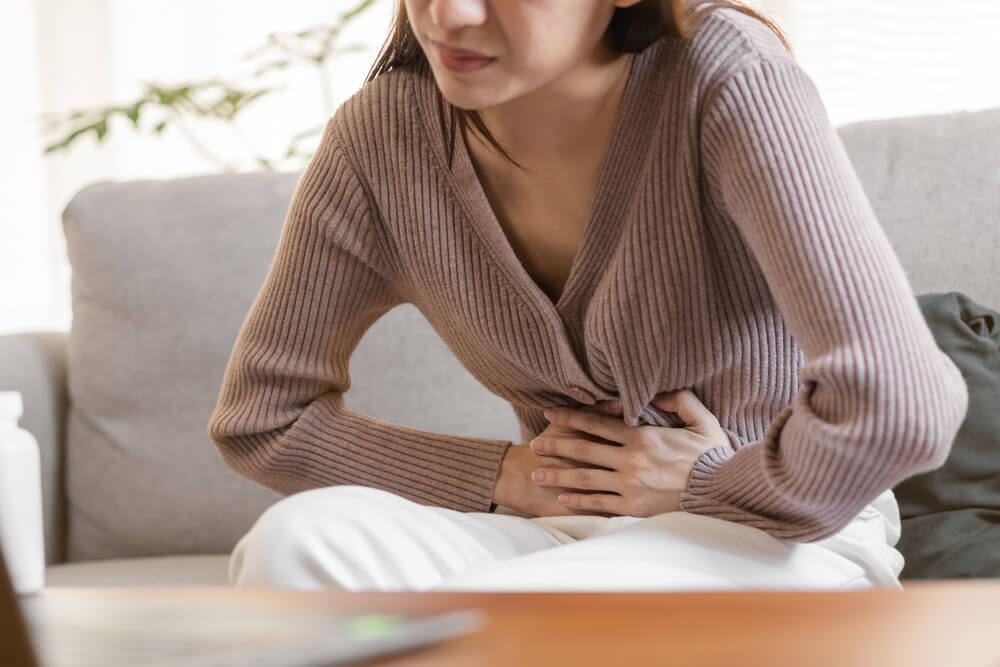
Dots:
{"x": 199, "y": 147}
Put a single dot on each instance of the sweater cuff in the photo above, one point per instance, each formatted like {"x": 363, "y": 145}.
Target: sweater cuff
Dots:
{"x": 731, "y": 485}
{"x": 700, "y": 478}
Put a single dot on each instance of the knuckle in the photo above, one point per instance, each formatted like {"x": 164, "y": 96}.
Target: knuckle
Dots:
{"x": 633, "y": 483}
{"x": 582, "y": 450}
{"x": 631, "y": 461}
{"x": 584, "y": 478}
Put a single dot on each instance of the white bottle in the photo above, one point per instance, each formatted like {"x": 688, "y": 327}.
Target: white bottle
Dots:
{"x": 22, "y": 537}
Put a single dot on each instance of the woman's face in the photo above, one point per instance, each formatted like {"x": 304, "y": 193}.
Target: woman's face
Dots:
{"x": 530, "y": 43}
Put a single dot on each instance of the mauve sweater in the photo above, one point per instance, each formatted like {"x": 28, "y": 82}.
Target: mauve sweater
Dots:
{"x": 730, "y": 249}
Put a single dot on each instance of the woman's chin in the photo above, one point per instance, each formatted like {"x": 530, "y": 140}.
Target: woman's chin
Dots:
{"x": 462, "y": 99}
{"x": 465, "y": 95}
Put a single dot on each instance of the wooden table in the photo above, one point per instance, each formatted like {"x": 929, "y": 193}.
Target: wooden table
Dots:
{"x": 952, "y": 623}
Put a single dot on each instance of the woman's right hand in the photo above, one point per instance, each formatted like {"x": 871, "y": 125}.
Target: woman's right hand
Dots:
{"x": 516, "y": 489}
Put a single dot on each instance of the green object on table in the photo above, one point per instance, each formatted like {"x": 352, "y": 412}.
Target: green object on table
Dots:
{"x": 373, "y": 626}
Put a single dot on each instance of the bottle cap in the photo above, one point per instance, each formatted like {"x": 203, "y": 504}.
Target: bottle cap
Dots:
{"x": 11, "y": 405}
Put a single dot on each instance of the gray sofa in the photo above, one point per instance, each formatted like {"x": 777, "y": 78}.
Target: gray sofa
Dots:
{"x": 164, "y": 273}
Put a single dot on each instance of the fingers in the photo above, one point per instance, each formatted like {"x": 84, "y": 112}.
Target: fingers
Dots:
{"x": 692, "y": 411}
{"x": 605, "y": 504}
{"x": 609, "y": 407}
{"x": 579, "y": 449}
{"x": 589, "y": 421}
{"x": 588, "y": 479}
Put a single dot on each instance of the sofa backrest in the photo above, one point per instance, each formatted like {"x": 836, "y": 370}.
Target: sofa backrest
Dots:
{"x": 934, "y": 184}
{"x": 164, "y": 273}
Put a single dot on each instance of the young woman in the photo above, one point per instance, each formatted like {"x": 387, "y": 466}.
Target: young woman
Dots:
{"x": 635, "y": 212}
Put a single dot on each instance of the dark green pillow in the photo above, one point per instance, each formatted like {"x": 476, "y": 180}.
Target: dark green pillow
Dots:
{"x": 951, "y": 515}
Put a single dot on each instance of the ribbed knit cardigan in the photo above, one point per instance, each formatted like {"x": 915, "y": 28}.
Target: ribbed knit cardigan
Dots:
{"x": 730, "y": 249}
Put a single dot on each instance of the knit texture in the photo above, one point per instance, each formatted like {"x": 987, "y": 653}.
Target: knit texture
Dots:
{"x": 730, "y": 249}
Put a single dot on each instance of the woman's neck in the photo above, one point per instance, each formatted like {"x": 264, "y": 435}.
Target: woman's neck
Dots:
{"x": 568, "y": 118}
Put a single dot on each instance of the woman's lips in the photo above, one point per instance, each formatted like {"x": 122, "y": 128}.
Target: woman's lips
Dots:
{"x": 461, "y": 61}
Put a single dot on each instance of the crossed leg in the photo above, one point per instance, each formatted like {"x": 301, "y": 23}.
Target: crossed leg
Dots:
{"x": 362, "y": 538}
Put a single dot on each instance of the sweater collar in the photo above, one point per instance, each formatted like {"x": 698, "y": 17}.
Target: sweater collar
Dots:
{"x": 615, "y": 190}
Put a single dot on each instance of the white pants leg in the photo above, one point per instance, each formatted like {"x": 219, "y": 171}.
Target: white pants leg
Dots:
{"x": 682, "y": 551}
{"x": 361, "y": 538}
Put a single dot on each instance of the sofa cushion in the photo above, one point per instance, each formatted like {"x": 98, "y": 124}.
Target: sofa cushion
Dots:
{"x": 951, "y": 515}
{"x": 163, "y": 276}
{"x": 167, "y": 571}
{"x": 934, "y": 184}
{"x": 160, "y": 273}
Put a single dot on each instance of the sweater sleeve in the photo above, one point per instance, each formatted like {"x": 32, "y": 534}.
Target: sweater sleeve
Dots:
{"x": 877, "y": 399}
{"x": 280, "y": 418}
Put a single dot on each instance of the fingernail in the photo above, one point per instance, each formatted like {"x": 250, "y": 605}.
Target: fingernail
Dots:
{"x": 538, "y": 475}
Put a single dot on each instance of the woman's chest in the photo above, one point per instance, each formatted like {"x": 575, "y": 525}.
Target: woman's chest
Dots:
{"x": 624, "y": 293}
{"x": 545, "y": 233}
{"x": 542, "y": 215}
{"x": 647, "y": 292}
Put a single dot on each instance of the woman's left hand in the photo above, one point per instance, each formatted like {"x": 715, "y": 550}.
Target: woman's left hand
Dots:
{"x": 647, "y": 473}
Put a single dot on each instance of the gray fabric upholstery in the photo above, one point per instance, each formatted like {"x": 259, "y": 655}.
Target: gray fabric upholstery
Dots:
{"x": 164, "y": 273}
{"x": 168, "y": 571}
{"x": 934, "y": 184}
{"x": 34, "y": 363}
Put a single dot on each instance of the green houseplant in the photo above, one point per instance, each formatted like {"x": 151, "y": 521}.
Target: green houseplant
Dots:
{"x": 214, "y": 98}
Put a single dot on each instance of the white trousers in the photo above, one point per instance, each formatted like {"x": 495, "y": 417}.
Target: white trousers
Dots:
{"x": 360, "y": 538}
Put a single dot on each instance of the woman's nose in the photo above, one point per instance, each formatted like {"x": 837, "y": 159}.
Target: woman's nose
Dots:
{"x": 455, "y": 14}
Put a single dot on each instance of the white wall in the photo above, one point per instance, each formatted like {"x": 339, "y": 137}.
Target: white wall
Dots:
{"x": 889, "y": 58}
{"x": 28, "y": 240}
{"x": 62, "y": 55}
{"x": 870, "y": 60}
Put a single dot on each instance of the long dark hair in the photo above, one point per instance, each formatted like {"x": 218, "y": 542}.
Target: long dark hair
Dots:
{"x": 630, "y": 30}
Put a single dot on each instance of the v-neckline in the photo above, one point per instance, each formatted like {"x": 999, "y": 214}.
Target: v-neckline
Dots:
{"x": 598, "y": 236}
{"x": 628, "y": 146}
